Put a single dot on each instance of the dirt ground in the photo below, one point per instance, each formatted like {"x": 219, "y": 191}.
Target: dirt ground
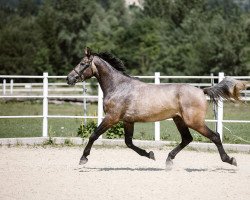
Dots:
{"x": 53, "y": 173}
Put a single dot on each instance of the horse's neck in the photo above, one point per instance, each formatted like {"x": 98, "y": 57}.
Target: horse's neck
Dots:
{"x": 108, "y": 78}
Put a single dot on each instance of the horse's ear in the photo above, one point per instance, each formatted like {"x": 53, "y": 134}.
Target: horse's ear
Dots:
{"x": 87, "y": 52}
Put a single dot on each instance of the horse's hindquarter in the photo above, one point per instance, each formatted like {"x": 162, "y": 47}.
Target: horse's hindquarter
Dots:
{"x": 193, "y": 105}
{"x": 151, "y": 102}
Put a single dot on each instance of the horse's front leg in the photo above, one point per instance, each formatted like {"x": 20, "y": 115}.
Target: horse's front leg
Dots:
{"x": 106, "y": 123}
{"x": 129, "y": 131}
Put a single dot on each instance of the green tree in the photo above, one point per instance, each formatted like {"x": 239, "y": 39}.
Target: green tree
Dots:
{"x": 19, "y": 44}
{"x": 181, "y": 37}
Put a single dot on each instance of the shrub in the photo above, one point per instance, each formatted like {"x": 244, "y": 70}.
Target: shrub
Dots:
{"x": 50, "y": 141}
{"x": 114, "y": 132}
{"x": 85, "y": 131}
{"x": 68, "y": 142}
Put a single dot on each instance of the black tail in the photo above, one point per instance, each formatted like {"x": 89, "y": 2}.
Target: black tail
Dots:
{"x": 228, "y": 89}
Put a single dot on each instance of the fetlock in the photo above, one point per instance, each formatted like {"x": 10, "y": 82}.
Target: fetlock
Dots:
{"x": 225, "y": 158}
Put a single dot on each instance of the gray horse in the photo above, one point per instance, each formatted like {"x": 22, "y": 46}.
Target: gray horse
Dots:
{"x": 129, "y": 100}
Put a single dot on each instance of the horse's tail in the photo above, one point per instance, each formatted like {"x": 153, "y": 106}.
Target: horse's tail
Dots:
{"x": 228, "y": 89}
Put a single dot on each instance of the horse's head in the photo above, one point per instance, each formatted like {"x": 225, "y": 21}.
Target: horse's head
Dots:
{"x": 83, "y": 70}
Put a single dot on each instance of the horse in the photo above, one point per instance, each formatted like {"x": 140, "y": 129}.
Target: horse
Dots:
{"x": 130, "y": 100}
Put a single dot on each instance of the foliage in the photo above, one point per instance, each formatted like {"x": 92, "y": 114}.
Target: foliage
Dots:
{"x": 181, "y": 37}
{"x": 86, "y": 130}
{"x": 68, "y": 142}
{"x": 50, "y": 141}
{"x": 115, "y": 131}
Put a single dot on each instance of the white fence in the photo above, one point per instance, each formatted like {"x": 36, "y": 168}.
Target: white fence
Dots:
{"x": 8, "y": 92}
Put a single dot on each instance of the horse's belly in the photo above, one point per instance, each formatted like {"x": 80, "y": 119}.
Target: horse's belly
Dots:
{"x": 152, "y": 105}
{"x": 150, "y": 115}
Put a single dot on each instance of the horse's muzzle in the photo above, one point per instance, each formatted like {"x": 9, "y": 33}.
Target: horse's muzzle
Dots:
{"x": 71, "y": 80}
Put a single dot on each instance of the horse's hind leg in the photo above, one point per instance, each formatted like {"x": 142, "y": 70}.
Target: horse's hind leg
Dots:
{"x": 186, "y": 138}
{"x": 215, "y": 138}
{"x": 129, "y": 131}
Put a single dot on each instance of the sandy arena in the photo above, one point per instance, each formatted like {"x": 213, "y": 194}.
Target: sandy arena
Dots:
{"x": 53, "y": 173}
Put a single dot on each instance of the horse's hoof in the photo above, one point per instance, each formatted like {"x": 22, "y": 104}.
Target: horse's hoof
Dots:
{"x": 234, "y": 162}
{"x": 152, "y": 155}
{"x": 169, "y": 165}
{"x": 83, "y": 160}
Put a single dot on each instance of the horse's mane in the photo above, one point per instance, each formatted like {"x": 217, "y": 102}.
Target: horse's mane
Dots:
{"x": 113, "y": 61}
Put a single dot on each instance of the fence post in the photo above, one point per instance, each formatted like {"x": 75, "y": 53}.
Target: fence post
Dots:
{"x": 157, "y": 124}
{"x": 100, "y": 106}
{"x": 45, "y": 104}
{"x": 214, "y": 105}
{"x": 11, "y": 86}
{"x": 84, "y": 102}
{"x": 220, "y": 110}
{"x": 4, "y": 86}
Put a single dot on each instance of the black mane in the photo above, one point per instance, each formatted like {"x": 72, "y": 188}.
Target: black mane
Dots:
{"x": 113, "y": 61}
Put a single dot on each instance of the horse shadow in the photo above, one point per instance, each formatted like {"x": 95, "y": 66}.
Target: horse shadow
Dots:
{"x": 218, "y": 169}
{"x": 106, "y": 169}
{"x": 151, "y": 169}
